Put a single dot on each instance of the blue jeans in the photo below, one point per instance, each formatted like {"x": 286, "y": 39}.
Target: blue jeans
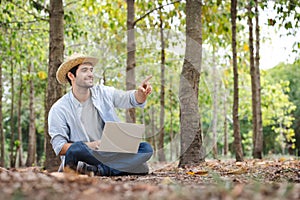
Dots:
{"x": 110, "y": 163}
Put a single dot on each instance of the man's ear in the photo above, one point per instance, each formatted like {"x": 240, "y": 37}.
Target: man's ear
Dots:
{"x": 70, "y": 76}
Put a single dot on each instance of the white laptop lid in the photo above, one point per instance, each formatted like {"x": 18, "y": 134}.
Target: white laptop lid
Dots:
{"x": 121, "y": 137}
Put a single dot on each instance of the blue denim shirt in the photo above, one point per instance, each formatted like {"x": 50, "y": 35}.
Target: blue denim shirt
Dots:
{"x": 64, "y": 124}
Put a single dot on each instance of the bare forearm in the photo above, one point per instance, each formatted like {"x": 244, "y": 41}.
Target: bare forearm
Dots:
{"x": 92, "y": 145}
{"x": 64, "y": 149}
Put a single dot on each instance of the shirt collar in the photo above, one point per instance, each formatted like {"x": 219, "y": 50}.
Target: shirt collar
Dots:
{"x": 76, "y": 102}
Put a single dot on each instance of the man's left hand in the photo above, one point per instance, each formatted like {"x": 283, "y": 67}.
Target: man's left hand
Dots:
{"x": 143, "y": 90}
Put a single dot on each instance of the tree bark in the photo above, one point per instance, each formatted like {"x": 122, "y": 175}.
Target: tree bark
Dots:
{"x": 190, "y": 126}
{"x": 153, "y": 130}
{"x": 258, "y": 149}
{"x": 225, "y": 124}
{"x": 12, "y": 123}
{"x": 255, "y": 87}
{"x": 130, "y": 69}
{"x": 2, "y": 136}
{"x": 215, "y": 106}
{"x": 161, "y": 153}
{"x": 54, "y": 90}
{"x": 31, "y": 159}
{"x": 252, "y": 73}
{"x": 20, "y": 145}
{"x": 236, "y": 124}
{"x": 172, "y": 144}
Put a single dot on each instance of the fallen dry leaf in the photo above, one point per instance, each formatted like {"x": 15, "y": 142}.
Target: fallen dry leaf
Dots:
{"x": 282, "y": 159}
{"x": 204, "y": 180}
{"x": 202, "y": 172}
{"x": 241, "y": 170}
{"x": 190, "y": 173}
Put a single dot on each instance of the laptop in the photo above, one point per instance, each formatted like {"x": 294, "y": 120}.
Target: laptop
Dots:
{"x": 121, "y": 137}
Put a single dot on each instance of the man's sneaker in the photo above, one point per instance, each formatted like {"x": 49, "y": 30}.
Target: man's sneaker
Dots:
{"x": 84, "y": 168}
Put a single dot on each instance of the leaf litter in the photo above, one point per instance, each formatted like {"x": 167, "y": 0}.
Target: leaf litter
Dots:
{"x": 214, "y": 179}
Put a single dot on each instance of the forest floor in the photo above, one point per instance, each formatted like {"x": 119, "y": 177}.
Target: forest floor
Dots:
{"x": 214, "y": 179}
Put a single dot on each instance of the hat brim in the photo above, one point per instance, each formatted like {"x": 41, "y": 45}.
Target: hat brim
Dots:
{"x": 65, "y": 67}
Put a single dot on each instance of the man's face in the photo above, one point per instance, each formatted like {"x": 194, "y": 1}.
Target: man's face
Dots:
{"x": 84, "y": 76}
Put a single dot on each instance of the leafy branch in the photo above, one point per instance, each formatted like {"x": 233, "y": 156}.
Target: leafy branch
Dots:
{"x": 30, "y": 13}
{"x": 151, "y": 11}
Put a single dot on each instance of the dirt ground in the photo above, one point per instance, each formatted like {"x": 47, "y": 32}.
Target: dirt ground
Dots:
{"x": 252, "y": 179}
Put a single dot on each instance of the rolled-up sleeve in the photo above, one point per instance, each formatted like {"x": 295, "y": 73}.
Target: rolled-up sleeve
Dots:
{"x": 133, "y": 101}
{"x": 124, "y": 99}
{"x": 58, "y": 129}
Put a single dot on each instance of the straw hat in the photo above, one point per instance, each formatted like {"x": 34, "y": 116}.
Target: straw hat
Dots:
{"x": 71, "y": 62}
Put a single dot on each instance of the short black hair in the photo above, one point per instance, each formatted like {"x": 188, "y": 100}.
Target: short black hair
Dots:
{"x": 73, "y": 71}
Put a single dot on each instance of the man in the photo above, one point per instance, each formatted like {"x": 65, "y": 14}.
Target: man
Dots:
{"x": 77, "y": 119}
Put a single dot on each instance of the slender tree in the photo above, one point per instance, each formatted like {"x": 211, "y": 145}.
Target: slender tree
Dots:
{"x": 215, "y": 103}
{"x": 12, "y": 123}
{"x": 2, "y": 137}
{"x": 153, "y": 130}
{"x": 258, "y": 149}
{"x": 255, "y": 85}
{"x": 172, "y": 152}
{"x": 161, "y": 153}
{"x": 236, "y": 125}
{"x": 31, "y": 159}
{"x": 225, "y": 124}
{"x": 131, "y": 48}
{"x": 19, "y": 122}
{"x": 191, "y": 139}
{"x": 252, "y": 72}
{"x": 54, "y": 90}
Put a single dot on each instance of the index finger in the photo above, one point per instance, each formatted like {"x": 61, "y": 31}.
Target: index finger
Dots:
{"x": 146, "y": 80}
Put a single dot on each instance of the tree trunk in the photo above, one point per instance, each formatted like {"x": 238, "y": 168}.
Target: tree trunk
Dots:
{"x": 252, "y": 73}
{"x": 190, "y": 126}
{"x": 258, "y": 149}
{"x": 130, "y": 69}
{"x": 255, "y": 86}
{"x": 215, "y": 106}
{"x": 2, "y": 136}
{"x": 172, "y": 143}
{"x": 54, "y": 90}
{"x": 225, "y": 124}
{"x": 31, "y": 159}
{"x": 12, "y": 123}
{"x": 236, "y": 124}
{"x": 153, "y": 130}
{"x": 148, "y": 131}
{"x": 20, "y": 145}
{"x": 161, "y": 153}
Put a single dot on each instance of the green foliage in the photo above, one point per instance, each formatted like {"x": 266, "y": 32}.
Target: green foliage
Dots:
{"x": 289, "y": 73}
{"x": 277, "y": 112}
{"x": 99, "y": 28}
{"x": 17, "y": 143}
{"x": 219, "y": 32}
{"x": 287, "y": 17}
{"x": 24, "y": 42}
